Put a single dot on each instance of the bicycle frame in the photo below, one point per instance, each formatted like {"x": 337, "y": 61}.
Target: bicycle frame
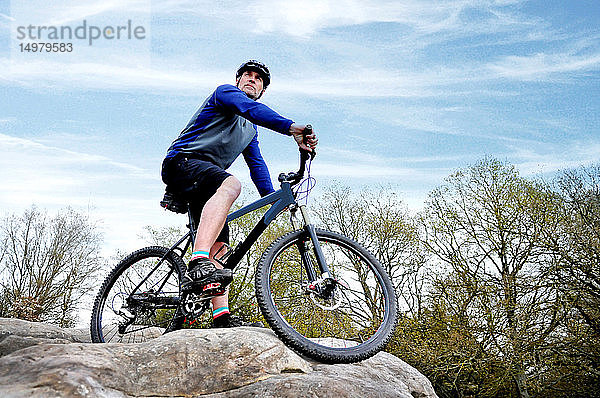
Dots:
{"x": 279, "y": 201}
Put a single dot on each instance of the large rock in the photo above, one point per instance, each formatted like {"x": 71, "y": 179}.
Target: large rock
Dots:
{"x": 16, "y": 334}
{"x": 241, "y": 362}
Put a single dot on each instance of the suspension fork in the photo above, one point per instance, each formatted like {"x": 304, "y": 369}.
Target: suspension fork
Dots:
{"x": 309, "y": 229}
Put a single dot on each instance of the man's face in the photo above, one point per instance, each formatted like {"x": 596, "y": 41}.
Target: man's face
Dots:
{"x": 251, "y": 83}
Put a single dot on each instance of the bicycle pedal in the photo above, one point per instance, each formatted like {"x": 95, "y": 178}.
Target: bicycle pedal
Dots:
{"x": 213, "y": 289}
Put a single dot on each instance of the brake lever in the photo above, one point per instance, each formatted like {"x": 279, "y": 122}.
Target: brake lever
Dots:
{"x": 295, "y": 177}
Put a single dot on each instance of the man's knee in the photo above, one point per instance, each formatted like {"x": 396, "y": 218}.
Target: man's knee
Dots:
{"x": 232, "y": 187}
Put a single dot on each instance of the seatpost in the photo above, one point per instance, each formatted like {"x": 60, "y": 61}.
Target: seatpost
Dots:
{"x": 191, "y": 225}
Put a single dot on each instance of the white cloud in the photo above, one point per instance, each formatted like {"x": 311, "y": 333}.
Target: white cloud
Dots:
{"x": 37, "y": 12}
{"x": 106, "y": 76}
{"x": 543, "y": 66}
{"x": 136, "y": 70}
{"x": 367, "y": 166}
{"x": 124, "y": 197}
{"x": 25, "y": 147}
{"x": 57, "y": 177}
{"x": 76, "y": 11}
{"x": 360, "y": 82}
{"x": 8, "y": 17}
{"x": 304, "y": 18}
{"x": 362, "y": 170}
{"x": 357, "y": 82}
{"x": 544, "y": 159}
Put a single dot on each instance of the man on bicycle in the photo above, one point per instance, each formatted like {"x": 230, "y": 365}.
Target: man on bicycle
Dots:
{"x": 221, "y": 129}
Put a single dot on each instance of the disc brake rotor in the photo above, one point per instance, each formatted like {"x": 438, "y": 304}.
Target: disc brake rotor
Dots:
{"x": 325, "y": 294}
{"x": 336, "y": 303}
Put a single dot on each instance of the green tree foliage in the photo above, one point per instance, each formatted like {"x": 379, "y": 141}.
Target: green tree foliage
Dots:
{"x": 47, "y": 264}
{"x": 576, "y": 356}
{"x": 498, "y": 277}
{"x": 242, "y": 296}
{"x": 485, "y": 226}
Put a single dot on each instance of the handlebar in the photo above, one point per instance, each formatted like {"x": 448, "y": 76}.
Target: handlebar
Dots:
{"x": 295, "y": 177}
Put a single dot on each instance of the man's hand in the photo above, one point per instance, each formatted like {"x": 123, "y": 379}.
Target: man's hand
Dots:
{"x": 306, "y": 142}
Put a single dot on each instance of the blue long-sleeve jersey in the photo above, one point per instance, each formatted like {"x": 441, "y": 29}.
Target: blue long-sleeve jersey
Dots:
{"x": 224, "y": 127}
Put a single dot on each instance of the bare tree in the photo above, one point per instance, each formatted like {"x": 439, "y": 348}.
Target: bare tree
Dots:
{"x": 47, "y": 264}
{"x": 378, "y": 220}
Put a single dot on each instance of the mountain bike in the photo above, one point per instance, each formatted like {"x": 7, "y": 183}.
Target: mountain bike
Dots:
{"x": 323, "y": 294}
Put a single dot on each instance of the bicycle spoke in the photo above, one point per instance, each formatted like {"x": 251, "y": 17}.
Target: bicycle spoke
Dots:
{"x": 346, "y": 315}
{"x": 140, "y": 294}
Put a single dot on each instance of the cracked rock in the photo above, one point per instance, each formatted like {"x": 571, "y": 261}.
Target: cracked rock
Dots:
{"x": 239, "y": 362}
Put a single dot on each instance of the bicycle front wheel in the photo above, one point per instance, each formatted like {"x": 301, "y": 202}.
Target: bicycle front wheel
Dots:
{"x": 140, "y": 298}
{"x": 346, "y": 318}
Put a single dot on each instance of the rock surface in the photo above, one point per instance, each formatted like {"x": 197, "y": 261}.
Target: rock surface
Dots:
{"x": 16, "y": 334}
{"x": 241, "y": 362}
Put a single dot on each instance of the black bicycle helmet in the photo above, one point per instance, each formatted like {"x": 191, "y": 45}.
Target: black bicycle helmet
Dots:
{"x": 255, "y": 66}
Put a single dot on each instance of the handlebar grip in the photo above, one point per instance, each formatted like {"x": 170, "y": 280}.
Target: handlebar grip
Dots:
{"x": 308, "y": 130}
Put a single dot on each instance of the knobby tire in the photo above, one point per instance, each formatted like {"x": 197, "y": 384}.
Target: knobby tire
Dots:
{"x": 367, "y": 309}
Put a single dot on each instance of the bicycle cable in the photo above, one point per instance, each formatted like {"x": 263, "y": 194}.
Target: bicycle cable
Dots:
{"x": 304, "y": 187}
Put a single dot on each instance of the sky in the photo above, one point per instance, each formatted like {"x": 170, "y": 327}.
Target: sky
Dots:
{"x": 400, "y": 93}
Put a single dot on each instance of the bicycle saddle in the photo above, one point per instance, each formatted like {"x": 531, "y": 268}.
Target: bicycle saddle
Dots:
{"x": 174, "y": 203}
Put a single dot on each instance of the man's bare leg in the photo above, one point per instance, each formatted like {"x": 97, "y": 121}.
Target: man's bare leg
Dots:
{"x": 219, "y": 301}
{"x": 222, "y": 317}
{"x": 214, "y": 214}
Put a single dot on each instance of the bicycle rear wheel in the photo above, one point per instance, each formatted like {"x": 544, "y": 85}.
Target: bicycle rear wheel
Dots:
{"x": 140, "y": 298}
{"x": 350, "y": 322}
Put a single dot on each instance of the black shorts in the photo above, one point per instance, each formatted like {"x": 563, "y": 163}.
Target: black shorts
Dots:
{"x": 196, "y": 181}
